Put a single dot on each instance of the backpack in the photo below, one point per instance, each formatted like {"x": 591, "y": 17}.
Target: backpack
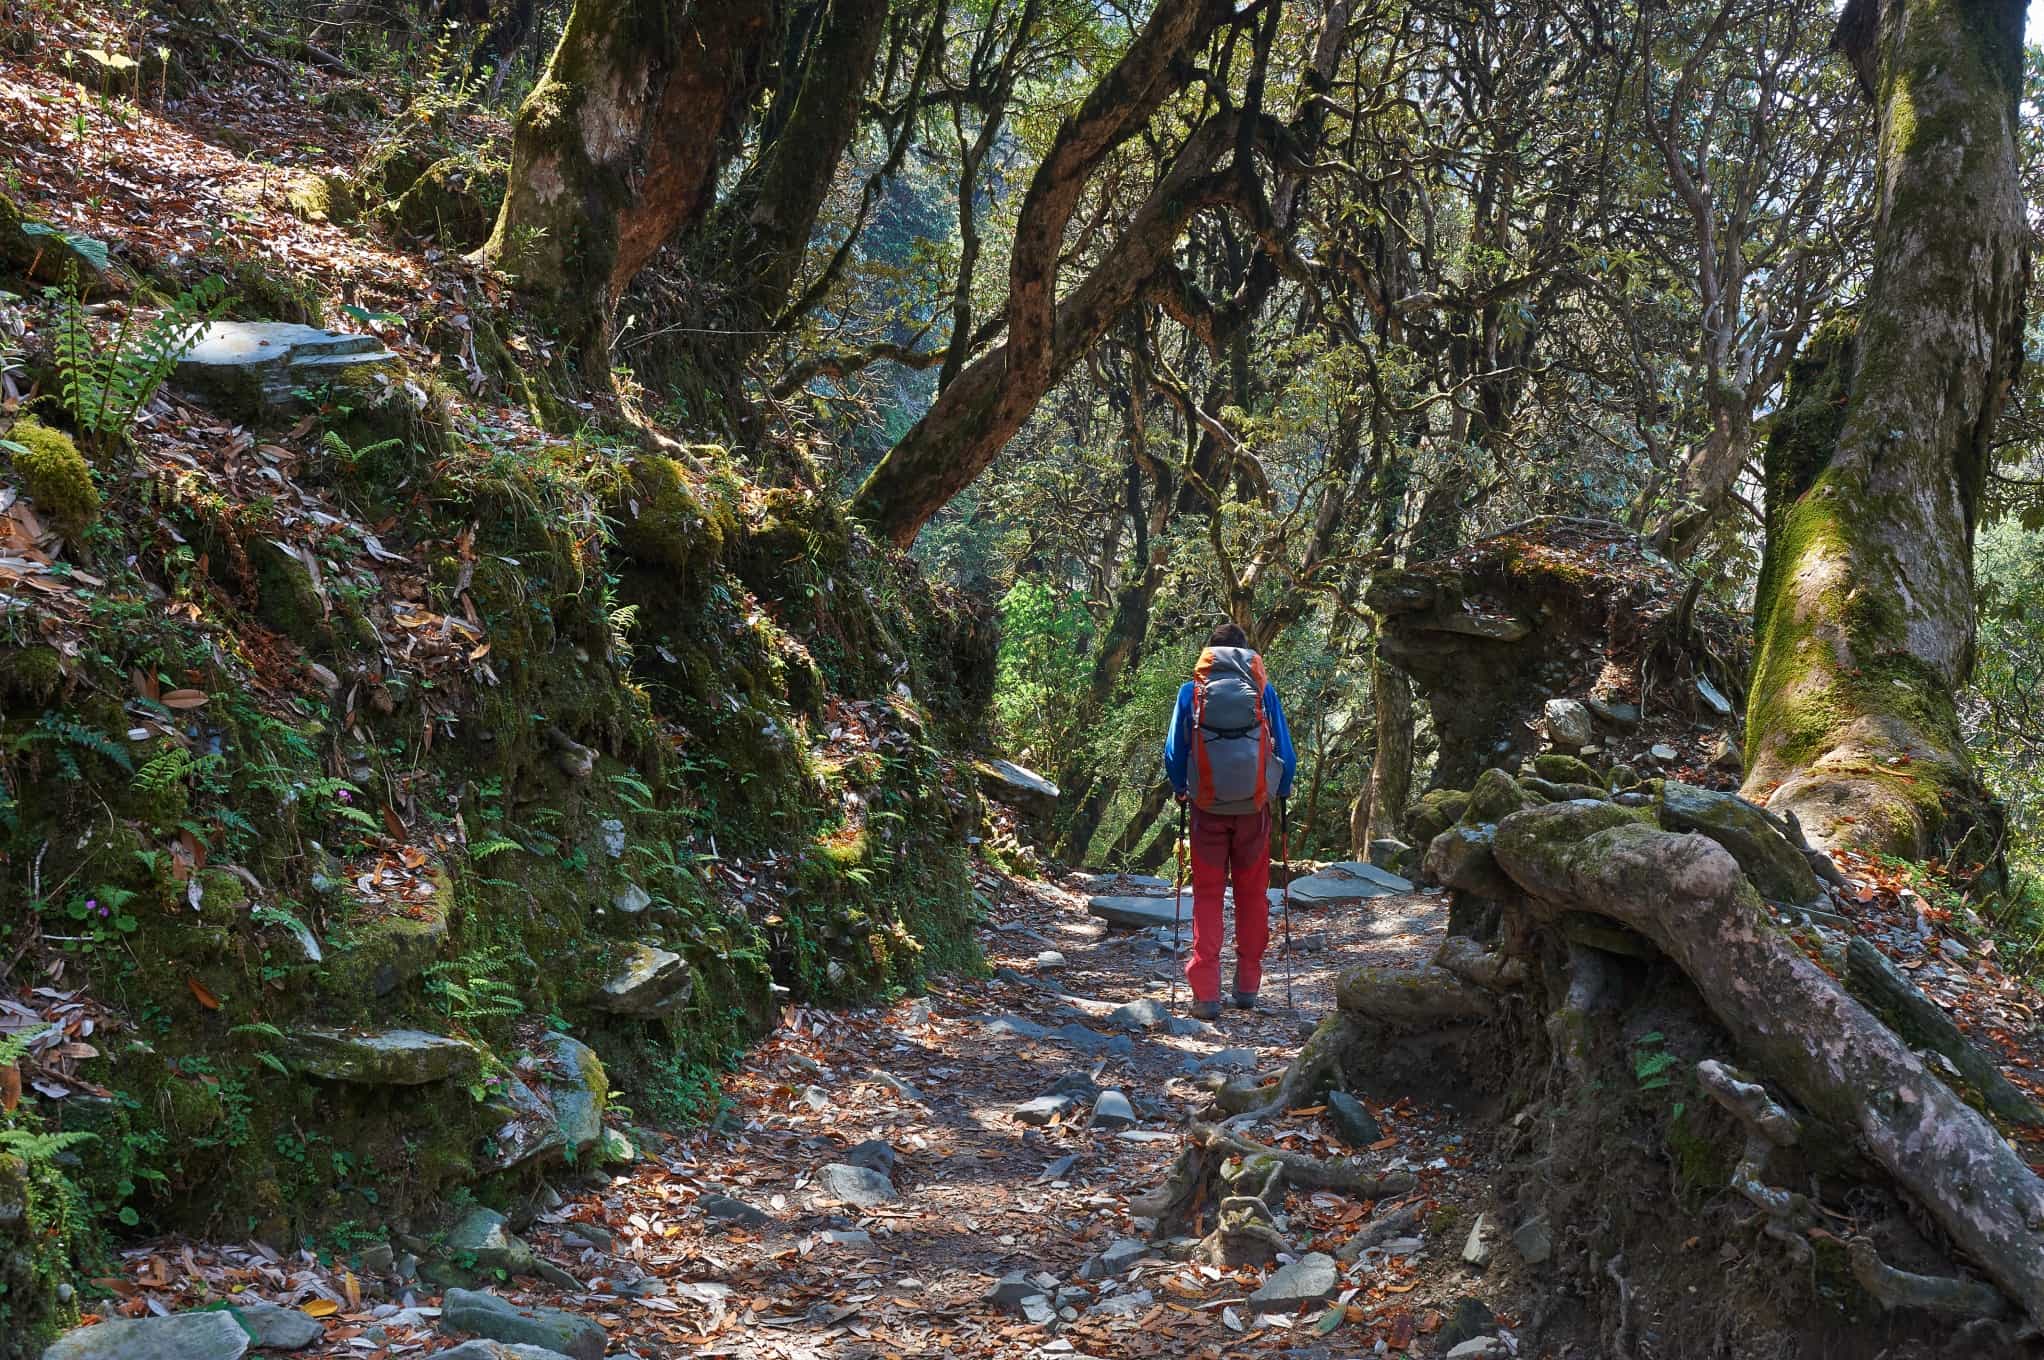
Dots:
{"x": 1233, "y": 754}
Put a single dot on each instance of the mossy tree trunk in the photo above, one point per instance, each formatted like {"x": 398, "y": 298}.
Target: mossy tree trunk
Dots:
{"x": 1865, "y": 610}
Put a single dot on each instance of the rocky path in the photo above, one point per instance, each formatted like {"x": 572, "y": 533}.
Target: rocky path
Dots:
{"x": 951, "y": 1176}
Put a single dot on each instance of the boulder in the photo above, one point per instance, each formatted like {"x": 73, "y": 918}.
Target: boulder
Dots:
{"x": 382, "y": 1057}
{"x": 1434, "y": 812}
{"x": 245, "y": 366}
{"x": 1390, "y": 854}
{"x": 1533, "y": 1240}
{"x": 1016, "y": 786}
{"x": 1312, "y": 1278}
{"x": 1778, "y": 869}
{"x": 1461, "y": 858}
{"x": 648, "y": 982}
{"x": 1569, "y": 724}
{"x": 1494, "y": 797}
{"x": 1556, "y": 768}
{"x": 578, "y": 1090}
{"x": 497, "y": 1319}
{"x": 874, "y": 1154}
{"x": 180, "y": 1336}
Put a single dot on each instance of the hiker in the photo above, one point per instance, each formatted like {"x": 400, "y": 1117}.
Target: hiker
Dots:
{"x": 1229, "y": 753}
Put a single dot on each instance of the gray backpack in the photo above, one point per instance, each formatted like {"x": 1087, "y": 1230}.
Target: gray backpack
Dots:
{"x": 1235, "y": 761}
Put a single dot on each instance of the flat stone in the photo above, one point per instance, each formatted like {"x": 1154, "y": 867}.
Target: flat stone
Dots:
{"x": 1127, "y": 883}
{"x": 1479, "y": 1348}
{"x": 1477, "y": 1248}
{"x": 1312, "y": 1278}
{"x": 1663, "y": 752}
{"x": 1037, "y": 1310}
{"x": 1533, "y": 1241}
{"x": 496, "y": 1350}
{"x": 1353, "y": 881}
{"x": 486, "y": 1315}
{"x": 1133, "y": 1303}
{"x": 387, "y": 1057}
{"x": 1139, "y": 1015}
{"x": 649, "y": 982}
{"x": 264, "y": 361}
{"x": 856, "y": 1185}
{"x": 1354, "y": 1123}
{"x": 1714, "y": 697}
{"x": 875, "y": 1154}
{"x": 631, "y": 899}
{"x": 1112, "y": 1110}
{"x": 1041, "y": 1110}
{"x": 1019, "y": 779}
{"x": 848, "y": 1237}
{"x": 900, "y": 1087}
{"x": 1139, "y": 911}
{"x": 1013, "y": 1026}
{"x": 281, "y": 1329}
{"x": 729, "y": 1210}
{"x": 1050, "y": 959}
{"x": 1093, "y": 1042}
{"x": 180, "y": 1336}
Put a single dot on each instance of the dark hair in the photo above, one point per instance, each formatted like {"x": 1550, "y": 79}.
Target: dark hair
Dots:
{"x": 1228, "y": 635}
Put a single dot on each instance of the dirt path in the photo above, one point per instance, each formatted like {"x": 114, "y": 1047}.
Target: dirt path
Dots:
{"x": 735, "y": 1240}
{"x": 981, "y": 1195}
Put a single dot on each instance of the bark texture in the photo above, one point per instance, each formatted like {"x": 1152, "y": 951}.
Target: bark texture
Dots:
{"x": 618, "y": 146}
{"x": 1865, "y": 614}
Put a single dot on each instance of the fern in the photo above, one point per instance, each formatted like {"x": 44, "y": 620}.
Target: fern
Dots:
{"x": 163, "y": 771}
{"x": 64, "y": 734}
{"x": 105, "y": 389}
{"x": 496, "y": 845}
{"x": 42, "y": 1148}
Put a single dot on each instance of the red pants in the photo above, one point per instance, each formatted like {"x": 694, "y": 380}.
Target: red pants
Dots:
{"x": 1225, "y": 847}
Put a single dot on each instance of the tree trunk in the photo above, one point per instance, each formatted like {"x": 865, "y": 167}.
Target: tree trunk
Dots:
{"x": 1865, "y": 616}
{"x": 975, "y": 416}
{"x": 618, "y": 146}
{"x": 1391, "y": 768}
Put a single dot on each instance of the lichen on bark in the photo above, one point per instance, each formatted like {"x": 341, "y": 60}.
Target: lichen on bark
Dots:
{"x": 1864, "y": 614}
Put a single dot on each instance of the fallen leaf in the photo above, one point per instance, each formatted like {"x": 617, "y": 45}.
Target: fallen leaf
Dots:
{"x": 204, "y": 997}
{"x": 186, "y": 698}
{"x": 321, "y": 1308}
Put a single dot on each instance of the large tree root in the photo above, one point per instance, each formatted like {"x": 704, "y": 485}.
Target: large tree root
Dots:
{"x": 1686, "y": 894}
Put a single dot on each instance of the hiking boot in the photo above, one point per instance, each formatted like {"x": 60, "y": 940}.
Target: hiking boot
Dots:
{"x": 1245, "y": 1001}
{"x": 1206, "y": 1010}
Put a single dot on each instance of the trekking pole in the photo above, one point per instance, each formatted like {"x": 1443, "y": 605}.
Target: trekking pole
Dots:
{"x": 1178, "y": 850}
{"x": 1285, "y": 852}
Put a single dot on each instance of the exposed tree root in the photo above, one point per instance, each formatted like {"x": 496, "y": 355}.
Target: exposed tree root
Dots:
{"x": 1844, "y": 1066}
{"x": 1785, "y": 1215}
{"x": 1933, "y": 1293}
{"x": 1319, "y": 1058}
{"x": 1471, "y": 962}
{"x": 1887, "y": 991}
{"x": 1310, "y": 1173}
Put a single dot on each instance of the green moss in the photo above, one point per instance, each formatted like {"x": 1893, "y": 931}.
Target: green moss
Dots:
{"x": 664, "y": 519}
{"x": 323, "y": 198}
{"x": 52, "y": 473}
{"x": 1560, "y": 769}
{"x": 42, "y": 1237}
{"x": 1496, "y": 796}
{"x": 453, "y": 201}
{"x": 30, "y": 677}
{"x": 1432, "y": 813}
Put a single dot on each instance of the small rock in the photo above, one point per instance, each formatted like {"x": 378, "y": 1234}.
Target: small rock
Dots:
{"x": 1013, "y": 1026}
{"x": 180, "y": 1336}
{"x": 1390, "y": 854}
{"x": 1354, "y": 1123}
{"x": 1470, "y": 1318}
{"x": 486, "y": 1315}
{"x": 1112, "y": 1110}
{"x": 898, "y": 1086}
{"x": 729, "y": 1211}
{"x": 1037, "y": 1311}
{"x": 492, "y": 1350}
{"x": 1663, "y": 752}
{"x": 1478, "y": 1348}
{"x": 631, "y": 899}
{"x": 281, "y": 1329}
{"x": 1041, "y": 1110}
{"x": 1569, "y": 725}
{"x": 1477, "y": 1249}
{"x": 1533, "y": 1241}
{"x": 616, "y": 1149}
{"x": 649, "y": 982}
{"x": 1616, "y": 714}
{"x": 378, "y": 1259}
{"x": 1714, "y": 697}
{"x": 482, "y": 1240}
{"x": 1312, "y": 1278}
{"x": 1010, "y": 1290}
{"x": 1050, "y": 959}
{"x": 1119, "y": 1256}
{"x": 591, "y": 1235}
{"x": 874, "y": 1154}
{"x": 856, "y": 1185}
{"x": 1228, "y": 1059}
{"x": 852, "y": 1237}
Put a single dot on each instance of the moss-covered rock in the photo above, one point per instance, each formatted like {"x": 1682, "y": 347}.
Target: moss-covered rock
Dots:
{"x": 1496, "y": 796}
{"x": 1432, "y": 813}
{"x": 42, "y": 1233}
{"x": 452, "y": 201}
{"x": 1556, "y": 768}
{"x": 323, "y": 198}
{"x": 52, "y": 473}
{"x": 665, "y": 518}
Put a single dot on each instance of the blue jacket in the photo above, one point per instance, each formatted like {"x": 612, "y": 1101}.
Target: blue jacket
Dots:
{"x": 1178, "y": 742}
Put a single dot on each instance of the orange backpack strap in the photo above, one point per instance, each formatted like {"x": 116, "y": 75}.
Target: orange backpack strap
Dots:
{"x": 1263, "y": 737}
{"x": 1203, "y": 794}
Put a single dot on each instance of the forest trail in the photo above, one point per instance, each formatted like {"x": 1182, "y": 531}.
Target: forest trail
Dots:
{"x": 733, "y": 1239}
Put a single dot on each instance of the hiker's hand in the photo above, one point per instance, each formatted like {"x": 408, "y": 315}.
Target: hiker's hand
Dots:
{"x": 1179, "y": 797}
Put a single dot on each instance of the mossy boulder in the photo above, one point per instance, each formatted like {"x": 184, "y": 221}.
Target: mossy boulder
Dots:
{"x": 1556, "y": 768}
{"x": 1460, "y": 858}
{"x": 30, "y": 677}
{"x": 453, "y": 201}
{"x": 665, "y": 519}
{"x": 48, "y": 468}
{"x": 1496, "y": 796}
{"x": 323, "y": 198}
{"x": 390, "y": 1057}
{"x": 1434, "y": 812}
